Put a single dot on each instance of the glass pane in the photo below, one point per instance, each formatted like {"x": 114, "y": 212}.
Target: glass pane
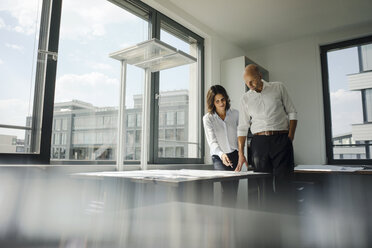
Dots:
{"x": 350, "y": 84}
{"x": 14, "y": 141}
{"x": 88, "y": 81}
{"x": 21, "y": 68}
{"x": 368, "y": 104}
{"x": 179, "y": 105}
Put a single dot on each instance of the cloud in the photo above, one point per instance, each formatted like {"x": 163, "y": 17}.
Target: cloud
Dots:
{"x": 124, "y": 45}
{"x": 25, "y": 13}
{"x": 346, "y": 109}
{"x": 100, "y": 66}
{"x": 94, "y": 87}
{"x": 13, "y": 111}
{"x": 14, "y": 46}
{"x": 90, "y": 19}
{"x": 1, "y": 62}
{"x": 2, "y": 23}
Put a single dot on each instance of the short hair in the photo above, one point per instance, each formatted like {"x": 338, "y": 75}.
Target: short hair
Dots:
{"x": 252, "y": 69}
{"x": 212, "y": 92}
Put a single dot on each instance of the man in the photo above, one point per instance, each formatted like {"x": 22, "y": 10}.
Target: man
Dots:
{"x": 267, "y": 109}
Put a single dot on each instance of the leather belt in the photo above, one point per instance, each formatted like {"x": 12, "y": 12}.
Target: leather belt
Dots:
{"x": 269, "y": 133}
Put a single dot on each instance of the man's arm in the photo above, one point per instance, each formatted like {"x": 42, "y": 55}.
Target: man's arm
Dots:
{"x": 242, "y": 160}
{"x": 291, "y": 111}
{"x": 243, "y": 127}
{"x": 292, "y": 129}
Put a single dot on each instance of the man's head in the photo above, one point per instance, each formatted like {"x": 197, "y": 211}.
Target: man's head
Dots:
{"x": 252, "y": 77}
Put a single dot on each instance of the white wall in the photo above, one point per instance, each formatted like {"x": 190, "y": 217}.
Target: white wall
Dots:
{"x": 297, "y": 64}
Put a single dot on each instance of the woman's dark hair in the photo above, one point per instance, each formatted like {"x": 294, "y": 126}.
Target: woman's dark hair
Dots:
{"x": 212, "y": 92}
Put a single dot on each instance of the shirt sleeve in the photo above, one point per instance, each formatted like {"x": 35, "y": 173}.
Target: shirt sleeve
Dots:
{"x": 244, "y": 118}
{"x": 211, "y": 137}
{"x": 288, "y": 104}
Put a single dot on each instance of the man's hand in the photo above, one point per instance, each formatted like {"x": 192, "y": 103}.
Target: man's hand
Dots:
{"x": 242, "y": 160}
{"x": 226, "y": 161}
{"x": 291, "y": 137}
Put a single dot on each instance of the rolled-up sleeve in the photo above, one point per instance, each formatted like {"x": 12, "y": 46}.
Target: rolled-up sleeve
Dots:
{"x": 211, "y": 137}
{"x": 244, "y": 118}
{"x": 288, "y": 104}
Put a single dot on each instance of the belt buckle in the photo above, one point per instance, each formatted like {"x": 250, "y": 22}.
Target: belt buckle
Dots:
{"x": 267, "y": 133}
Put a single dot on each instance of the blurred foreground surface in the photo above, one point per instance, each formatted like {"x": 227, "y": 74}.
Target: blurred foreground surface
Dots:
{"x": 42, "y": 208}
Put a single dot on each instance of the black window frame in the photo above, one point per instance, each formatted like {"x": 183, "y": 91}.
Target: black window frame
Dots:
{"x": 52, "y": 11}
{"x": 154, "y": 18}
{"x": 185, "y": 34}
{"x": 324, "y": 49}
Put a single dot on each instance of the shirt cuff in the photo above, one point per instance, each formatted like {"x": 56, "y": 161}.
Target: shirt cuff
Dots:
{"x": 220, "y": 154}
{"x": 242, "y": 133}
{"x": 292, "y": 116}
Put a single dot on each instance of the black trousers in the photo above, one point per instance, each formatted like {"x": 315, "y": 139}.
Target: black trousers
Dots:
{"x": 229, "y": 188}
{"x": 274, "y": 154}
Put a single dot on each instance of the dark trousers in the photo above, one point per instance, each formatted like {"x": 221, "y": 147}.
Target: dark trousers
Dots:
{"x": 274, "y": 154}
{"x": 229, "y": 188}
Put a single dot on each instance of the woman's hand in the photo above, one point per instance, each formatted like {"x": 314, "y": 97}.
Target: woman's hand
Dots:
{"x": 226, "y": 161}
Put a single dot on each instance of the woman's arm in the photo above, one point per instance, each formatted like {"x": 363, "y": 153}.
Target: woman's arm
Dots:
{"x": 211, "y": 137}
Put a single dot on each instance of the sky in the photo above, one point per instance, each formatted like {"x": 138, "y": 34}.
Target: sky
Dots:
{"x": 90, "y": 30}
{"x": 346, "y": 106}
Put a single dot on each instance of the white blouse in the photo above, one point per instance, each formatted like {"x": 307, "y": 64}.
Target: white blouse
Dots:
{"x": 222, "y": 135}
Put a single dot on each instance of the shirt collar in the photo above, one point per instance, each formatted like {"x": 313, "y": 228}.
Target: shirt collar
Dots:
{"x": 227, "y": 113}
{"x": 264, "y": 84}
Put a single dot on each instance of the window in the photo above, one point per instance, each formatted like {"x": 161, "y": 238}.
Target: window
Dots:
{"x": 64, "y": 124}
{"x": 161, "y": 119}
{"x": 368, "y": 104}
{"x": 139, "y": 120}
{"x": 138, "y": 138}
{"x": 131, "y": 120}
{"x": 180, "y": 118}
{"x": 161, "y": 134}
{"x": 180, "y": 91}
{"x": 180, "y": 152}
{"x": 180, "y": 134}
{"x": 82, "y": 127}
{"x": 170, "y": 118}
{"x": 347, "y": 87}
{"x": 169, "y": 134}
{"x": 23, "y": 41}
{"x": 88, "y": 81}
{"x": 169, "y": 152}
{"x": 57, "y": 125}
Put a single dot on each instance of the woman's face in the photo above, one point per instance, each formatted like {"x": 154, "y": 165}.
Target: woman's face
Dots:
{"x": 220, "y": 103}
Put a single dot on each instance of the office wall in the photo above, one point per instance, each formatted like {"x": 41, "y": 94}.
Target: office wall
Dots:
{"x": 297, "y": 65}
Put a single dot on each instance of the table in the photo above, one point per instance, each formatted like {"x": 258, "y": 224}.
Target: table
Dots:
{"x": 157, "y": 186}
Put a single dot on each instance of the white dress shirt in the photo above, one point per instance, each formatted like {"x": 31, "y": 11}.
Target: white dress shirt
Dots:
{"x": 269, "y": 110}
{"x": 222, "y": 135}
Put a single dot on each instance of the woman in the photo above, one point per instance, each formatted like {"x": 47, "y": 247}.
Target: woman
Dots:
{"x": 220, "y": 125}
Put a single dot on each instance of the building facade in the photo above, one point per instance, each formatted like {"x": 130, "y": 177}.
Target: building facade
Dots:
{"x": 82, "y": 131}
{"x": 362, "y": 132}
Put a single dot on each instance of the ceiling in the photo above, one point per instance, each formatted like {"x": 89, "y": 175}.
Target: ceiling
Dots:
{"x": 257, "y": 23}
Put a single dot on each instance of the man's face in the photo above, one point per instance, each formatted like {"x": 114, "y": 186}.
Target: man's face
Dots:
{"x": 252, "y": 81}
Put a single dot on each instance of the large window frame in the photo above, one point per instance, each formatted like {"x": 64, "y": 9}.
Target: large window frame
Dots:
{"x": 183, "y": 33}
{"x": 44, "y": 91}
{"x": 155, "y": 19}
{"x": 324, "y": 49}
